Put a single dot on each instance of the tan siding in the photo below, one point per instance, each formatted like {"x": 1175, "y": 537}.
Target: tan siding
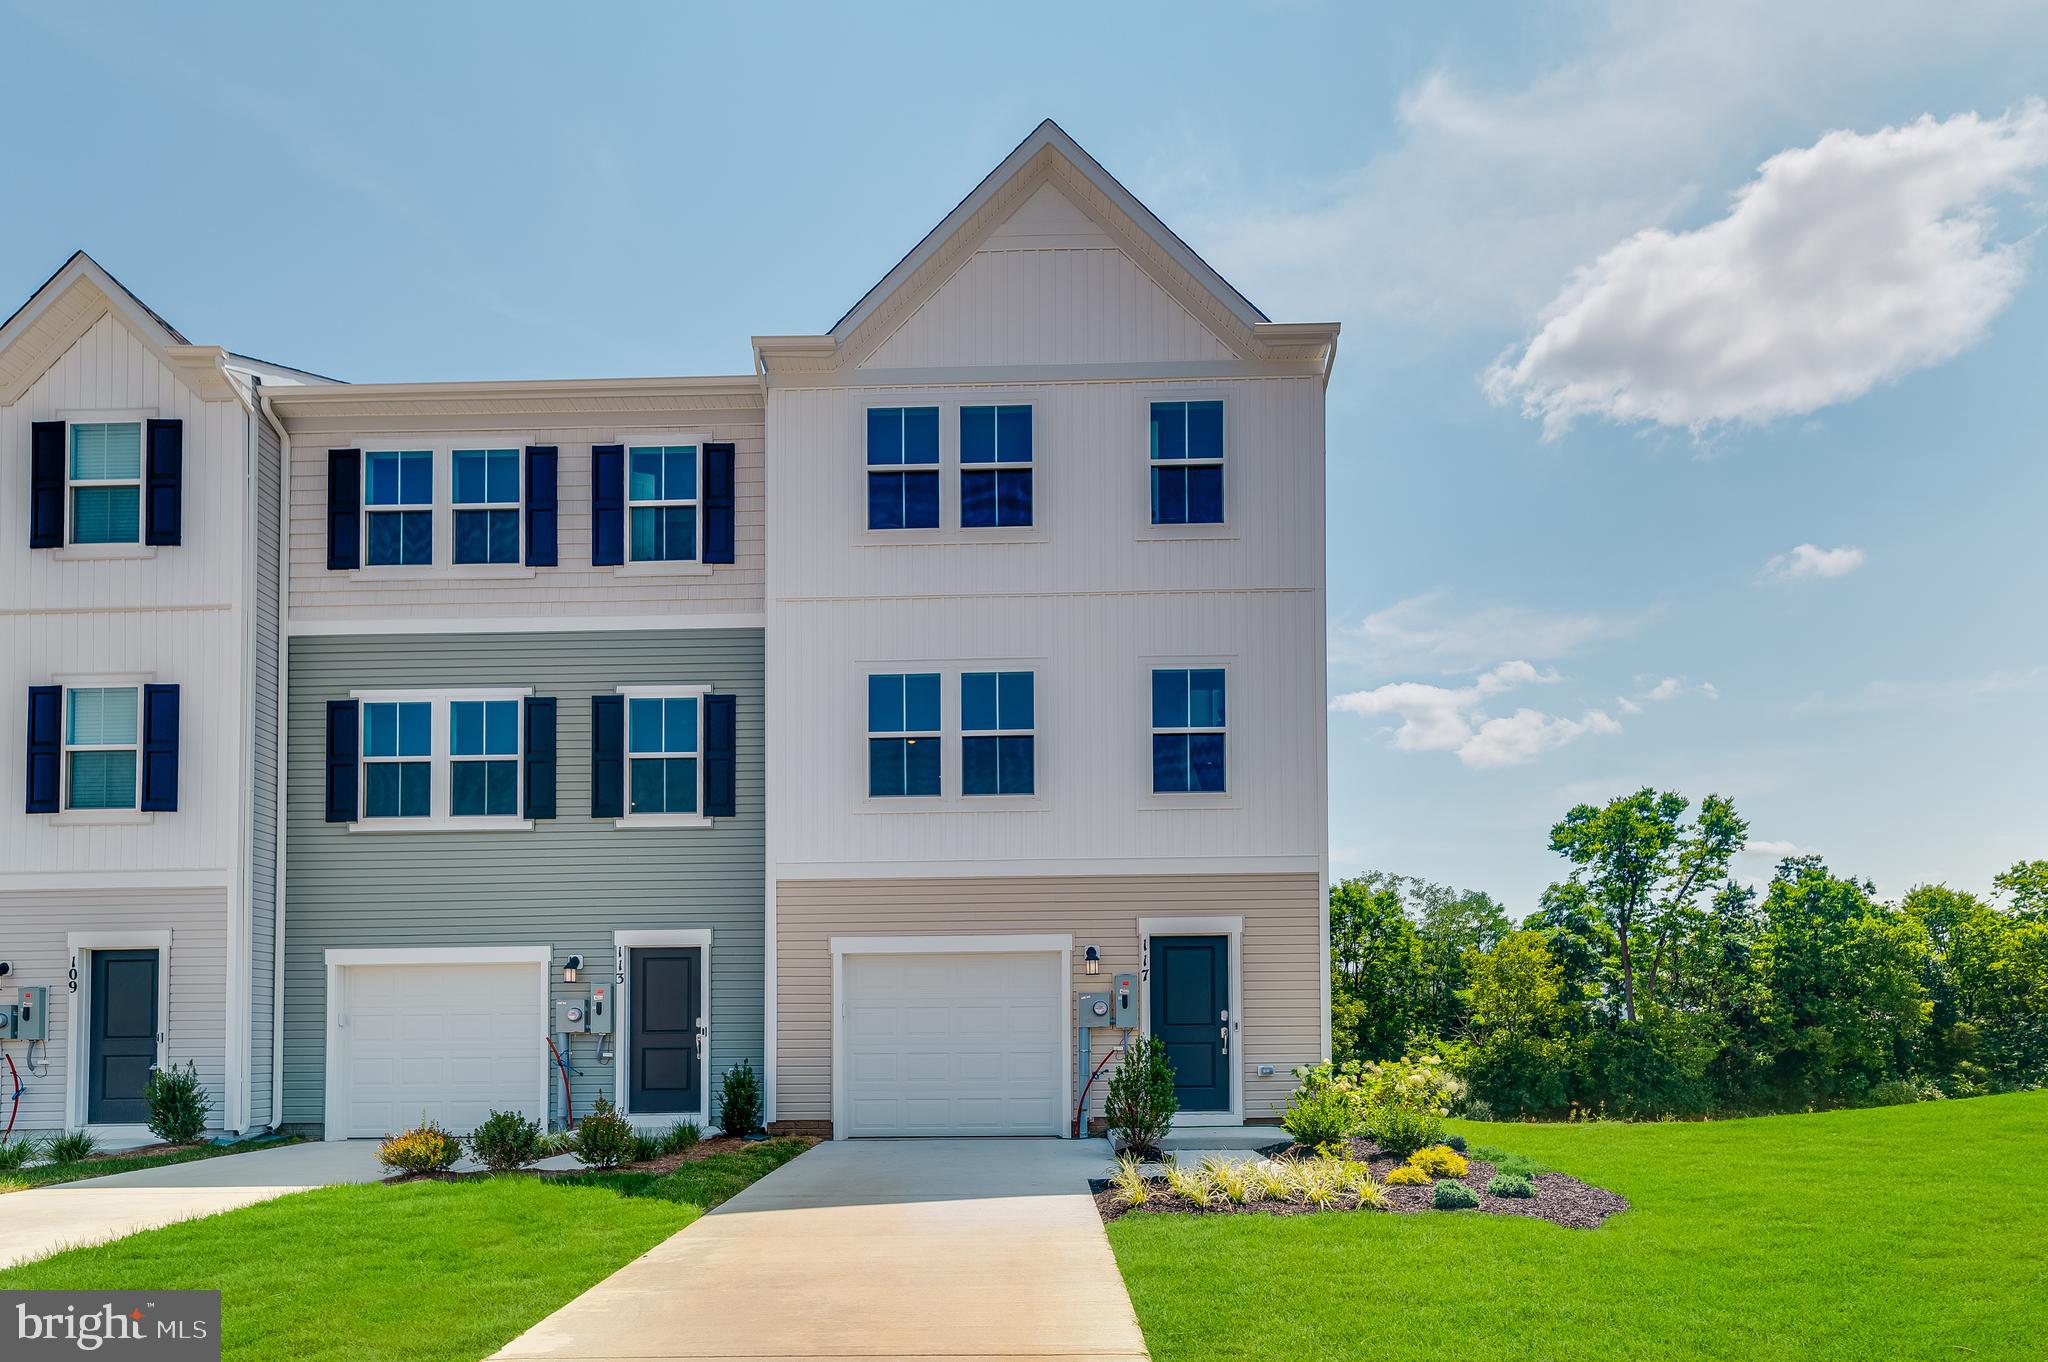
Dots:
{"x": 1282, "y": 964}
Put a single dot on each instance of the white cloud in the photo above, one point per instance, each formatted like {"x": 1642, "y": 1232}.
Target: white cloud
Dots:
{"x": 1487, "y": 194}
{"x": 1774, "y": 851}
{"x": 1810, "y": 560}
{"x": 1427, "y": 632}
{"x": 1449, "y": 718}
{"x": 1841, "y": 266}
{"x": 1947, "y": 693}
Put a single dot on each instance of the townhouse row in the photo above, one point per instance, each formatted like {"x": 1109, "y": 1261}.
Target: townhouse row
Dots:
{"x": 447, "y": 747}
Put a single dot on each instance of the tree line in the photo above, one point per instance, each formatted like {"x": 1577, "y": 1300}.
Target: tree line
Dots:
{"x": 1652, "y": 982}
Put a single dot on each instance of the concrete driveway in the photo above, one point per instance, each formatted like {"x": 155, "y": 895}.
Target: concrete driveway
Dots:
{"x": 932, "y": 1249}
{"x": 39, "y": 1222}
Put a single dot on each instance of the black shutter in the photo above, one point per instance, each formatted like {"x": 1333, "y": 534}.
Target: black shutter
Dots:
{"x": 721, "y": 763}
{"x": 607, "y": 756}
{"x": 341, "y": 761}
{"x": 607, "y": 505}
{"x": 164, "y": 481}
{"x": 344, "y": 509}
{"x": 717, "y": 504}
{"x": 45, "y": 746}
{"x": 540, "y": 509}
{"x": 540, "y": 756}
{"x": 159, "y": 749}
{"x": 46, "y": 485}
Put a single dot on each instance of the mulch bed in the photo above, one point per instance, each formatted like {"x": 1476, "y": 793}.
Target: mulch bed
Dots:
{"x": 1560, "y": 1199}
{"x": 667, "y": 1163}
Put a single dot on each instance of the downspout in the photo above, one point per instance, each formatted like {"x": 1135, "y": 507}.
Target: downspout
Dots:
{"x": 284, "y": 610}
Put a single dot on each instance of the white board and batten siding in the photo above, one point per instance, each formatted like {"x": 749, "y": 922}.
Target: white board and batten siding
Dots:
{"x": 166, "y": 615}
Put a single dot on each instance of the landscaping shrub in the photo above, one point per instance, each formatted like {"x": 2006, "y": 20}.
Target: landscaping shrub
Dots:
{"x": 178, "y": 1103}
{"x": 1440, "y": 1161}
{"x": 1140, "y": 1104}
{"x": 1476, "y": 1109}
{"x": 1323, "y": 1115}
{"x": 1229, "y": 1178}
{"x": 1269, "y": 1179}
{"x": 1321, "y": 1183}
{"x": 1407, "y": 1175}
{"x": 1191, "y": 1183}
{"x": 645, "y": 1147}
{"x": 739, "y": 1100}
{"x": 426, "y": 1148}
{"x": 70, "y": 1147}
{"x": 1509, "y": 1184}
{"x": 1453, "y": 1196}
{"x": 1403, "y": 1130}
{"x": 1898, "y": 1092}
{"x": 15, "y": 1153}
{"x": 605, "y": 1139}
{"x": 1129, "y": 1183}
{"x": 1356, "y": 1179}
{"x": 505, "y": 1141}
{"x": 555, "y": 1142}
{"x": 1515, "y": 1165}
{"x": 677, "y": 1138}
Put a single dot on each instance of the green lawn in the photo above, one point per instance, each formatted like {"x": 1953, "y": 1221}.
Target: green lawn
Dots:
{"x": 43, "y": 1175}
{"x": 1906, "y": 1232}
{"x": 448, "y": 1271}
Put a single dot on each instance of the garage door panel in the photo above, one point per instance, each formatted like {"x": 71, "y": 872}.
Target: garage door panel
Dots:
{"x": 965, "y": 1044}
{"x": 447, "y": 1041}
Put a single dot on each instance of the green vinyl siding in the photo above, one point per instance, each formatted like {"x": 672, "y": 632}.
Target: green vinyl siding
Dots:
{"x": 568, "y": 882}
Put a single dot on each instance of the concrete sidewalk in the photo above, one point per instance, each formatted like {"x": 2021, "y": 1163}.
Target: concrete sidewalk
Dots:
{"x": 932, "y": 1249}
{"x": 41, "y": 1221}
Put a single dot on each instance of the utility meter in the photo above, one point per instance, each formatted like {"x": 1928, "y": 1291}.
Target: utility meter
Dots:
{"x": 572, "y": 1014}
{"x": 1094, "y": 1009}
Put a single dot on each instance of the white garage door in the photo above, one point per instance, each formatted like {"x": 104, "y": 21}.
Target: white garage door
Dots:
{"x": 953, "y": 1044}
{"x": 453, "y": 1041}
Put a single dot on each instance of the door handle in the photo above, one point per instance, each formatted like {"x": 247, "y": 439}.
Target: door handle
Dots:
{"x": 697, "y": 1042}
{"x": 1224, "y": 1031}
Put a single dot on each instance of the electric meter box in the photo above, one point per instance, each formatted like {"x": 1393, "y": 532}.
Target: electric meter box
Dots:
{"x": 572, "y": 1014}
{"x": 1094, "y": 1009}
{"x": 1123, "y": 1001}
{"x": 22, "y": 1012}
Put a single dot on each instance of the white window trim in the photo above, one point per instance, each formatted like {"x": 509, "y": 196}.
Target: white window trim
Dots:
{"x": 961, "y": 467}
{"x": 629, "y": 819}
{"x": 436, "y": 472}
{"x": 517, "y": 505}
{"x": 78, "y": 947}
{"x": 937, "y": 735}
{"x": 665, "y": 566}
{"x": 1221, "y": 925}
{"x": 1151, "y": 530}
{"x": 949, "y": 530}
{"x": 135, "y": 548}
{"x": 1186, "y": 798}
{"x": 622, "y": 1027}
{"x": 1060, "y": 943}
{"x": 131, "y": 813}
{"x": 335, "y": 1111}
{"x": 937, "y": 470}
{"x": 439, "y": 743}
{"x": 966, "y": 732}
{"x": 951, "y": 798}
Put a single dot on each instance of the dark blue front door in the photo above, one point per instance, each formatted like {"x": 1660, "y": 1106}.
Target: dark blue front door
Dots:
{"x": 1191, "y": 1014}
{"x": 662, "y": 1061}
{"x": 122, "y": 1047}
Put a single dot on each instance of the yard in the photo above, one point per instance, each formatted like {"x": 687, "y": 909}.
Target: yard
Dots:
{"x": 1901, "y": 1232}
{"x": 411, "y": 1272}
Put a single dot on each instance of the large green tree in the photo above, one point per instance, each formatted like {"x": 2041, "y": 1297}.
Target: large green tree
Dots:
{"x": 1375, "y": 969}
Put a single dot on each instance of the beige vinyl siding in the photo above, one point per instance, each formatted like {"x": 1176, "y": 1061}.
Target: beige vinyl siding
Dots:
{"x": 1282, "y": 966}
{"x": 264, "y": 661}
{"x": 575, "y": 587}
{"x": 36, "y": 926}
{"x": 567, "y": 883}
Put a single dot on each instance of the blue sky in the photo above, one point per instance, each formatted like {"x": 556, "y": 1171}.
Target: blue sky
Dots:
{"x": 1564, "y": 609}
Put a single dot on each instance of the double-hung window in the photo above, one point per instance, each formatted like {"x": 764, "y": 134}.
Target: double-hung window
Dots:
{"x": 398, "y": 503}
{"x": 486, "y": 505}
{"x": 1187, "y": 463}
{"x": 903, "y": 468}
{"x": 903, "y": 735}
{"x": 664, "y": 750}
{"x": 105, "y": 477}
{"x": 661, "y": 503}
{"x": 995, "y": 466}
{"x": 398, "y": 759}
{"x": 483, "y": 758}
{"x": 998, "y": 743}
{"x": 102, "y": 726}
{"x": 1188, "y": 730}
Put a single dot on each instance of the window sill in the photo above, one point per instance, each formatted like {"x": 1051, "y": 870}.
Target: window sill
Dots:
{"x": 662, "y": 569}
{"x": 450, "y": 572}
{"x": 1167, "y": 534}
{"x": 102, "y": 818}
{"x": 378, "y": 825}
{"x": 662, "y": 820}
{"x": 88, "y": 553}
{"x": 1166, "y": 803}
